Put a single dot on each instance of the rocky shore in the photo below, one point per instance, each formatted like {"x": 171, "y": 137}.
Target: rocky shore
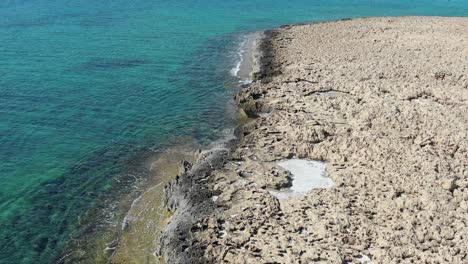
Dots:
{"x": 384, "y": 102}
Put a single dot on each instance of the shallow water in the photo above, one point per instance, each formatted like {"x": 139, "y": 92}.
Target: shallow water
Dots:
{"x": 248, "y": 57}
{"x": 90, "y": 89}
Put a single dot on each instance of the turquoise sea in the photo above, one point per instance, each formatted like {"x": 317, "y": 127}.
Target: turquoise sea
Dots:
{"x": 89, "y": 89}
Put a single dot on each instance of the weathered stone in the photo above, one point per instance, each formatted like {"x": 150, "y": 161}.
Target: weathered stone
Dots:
{"x": 384, "y": 102}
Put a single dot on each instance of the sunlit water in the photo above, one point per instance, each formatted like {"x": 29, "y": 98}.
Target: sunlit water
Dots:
{"x": 89, "y": 89}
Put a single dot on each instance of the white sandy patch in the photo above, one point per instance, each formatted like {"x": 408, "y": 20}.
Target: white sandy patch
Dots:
{"x": 363, "y": 259}
{"x": 306, "y": 174}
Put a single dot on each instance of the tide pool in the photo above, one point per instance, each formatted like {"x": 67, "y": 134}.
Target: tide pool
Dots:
{"x": 90, "y": 89}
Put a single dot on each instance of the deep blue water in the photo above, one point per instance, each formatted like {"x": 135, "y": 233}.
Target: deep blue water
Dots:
{"x": 87, "y": 86}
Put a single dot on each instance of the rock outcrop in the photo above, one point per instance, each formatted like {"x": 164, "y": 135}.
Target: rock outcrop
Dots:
{"x": 385, "y": 102}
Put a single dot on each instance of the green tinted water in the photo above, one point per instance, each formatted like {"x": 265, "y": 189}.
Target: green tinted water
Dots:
{"x": 88, "y": 87}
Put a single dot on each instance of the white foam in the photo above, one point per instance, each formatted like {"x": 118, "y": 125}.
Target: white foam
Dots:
{"x": 246, "y": 81}
{"x": 128, "y": 217}
{"x": 306, "y": 175}
{"x": 240, "y": 54}
{"x": 246, "y": 57}
{"x": 220, "y": 144}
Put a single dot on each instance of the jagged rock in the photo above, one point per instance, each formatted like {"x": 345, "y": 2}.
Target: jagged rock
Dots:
{"x": 392, "y": 131}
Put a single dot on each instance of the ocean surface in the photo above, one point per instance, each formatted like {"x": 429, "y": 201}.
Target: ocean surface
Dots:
{"x": 90, "y": 89}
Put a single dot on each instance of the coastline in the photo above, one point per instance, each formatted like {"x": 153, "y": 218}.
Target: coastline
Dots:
{"x": 96, "y": 93}
{"x": 114, "y": 232}
{"x": 390, "y": 124}
{"x": 188, "y": 197}
{"x": 134, "y": 221}
{"x": 146, "y": 217}
{"x": 135, "y": 238}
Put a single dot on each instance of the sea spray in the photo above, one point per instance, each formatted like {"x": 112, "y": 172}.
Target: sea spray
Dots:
{"x": 247, "y": 57}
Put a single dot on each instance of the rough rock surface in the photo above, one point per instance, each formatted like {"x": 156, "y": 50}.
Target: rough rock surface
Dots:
{"x": 384, "y": 102}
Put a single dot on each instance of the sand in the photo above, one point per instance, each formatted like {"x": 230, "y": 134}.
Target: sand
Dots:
{"x": 305, "y": 175}
{"x": 383, "y": 101}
